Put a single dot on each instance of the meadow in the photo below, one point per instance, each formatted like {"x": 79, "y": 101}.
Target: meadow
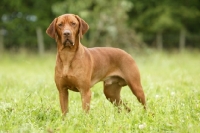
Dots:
{"x": 171, "y": 81}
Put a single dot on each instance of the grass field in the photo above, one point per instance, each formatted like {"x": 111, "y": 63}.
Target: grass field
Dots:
{"x": 171, "y": 81}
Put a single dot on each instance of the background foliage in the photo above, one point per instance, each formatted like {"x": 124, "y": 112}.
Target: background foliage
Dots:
{"x": 119, "y": 23}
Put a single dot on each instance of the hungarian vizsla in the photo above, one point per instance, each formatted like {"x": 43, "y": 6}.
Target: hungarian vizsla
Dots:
{"x": 78, "y": 68}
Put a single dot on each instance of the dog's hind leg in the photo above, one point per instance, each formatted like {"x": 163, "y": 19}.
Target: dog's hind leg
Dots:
{"x": 112, "y": 93}
{"x": 137, "y": 90}
{"x": 133, "y": 81}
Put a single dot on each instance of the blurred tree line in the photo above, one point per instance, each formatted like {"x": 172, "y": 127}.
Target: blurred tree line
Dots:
{"x": 119, "y": 23}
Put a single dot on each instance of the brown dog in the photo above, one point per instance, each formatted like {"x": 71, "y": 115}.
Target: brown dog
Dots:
{"x": 78, "y": 68}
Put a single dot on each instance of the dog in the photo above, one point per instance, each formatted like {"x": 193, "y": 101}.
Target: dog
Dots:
{"x": 78, "y": 68}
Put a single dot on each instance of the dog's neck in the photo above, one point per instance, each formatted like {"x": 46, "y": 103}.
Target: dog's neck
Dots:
{"x": 65, "y": 55}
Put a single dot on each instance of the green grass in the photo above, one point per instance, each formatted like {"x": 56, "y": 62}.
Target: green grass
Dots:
{"x": 171, "y": 81}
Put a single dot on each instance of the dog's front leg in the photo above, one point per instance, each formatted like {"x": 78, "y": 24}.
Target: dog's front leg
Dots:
{"x": 63, "y": 95}
{"x": 86, "y": 97}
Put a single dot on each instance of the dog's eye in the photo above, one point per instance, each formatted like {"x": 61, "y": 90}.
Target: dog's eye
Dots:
{"x": 60, "y": 24}
{"x": 73, "y": 23}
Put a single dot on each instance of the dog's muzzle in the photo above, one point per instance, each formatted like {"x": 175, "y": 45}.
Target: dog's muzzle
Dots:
{"x": 67, "y": 38}
{"x": 68, "y": 42}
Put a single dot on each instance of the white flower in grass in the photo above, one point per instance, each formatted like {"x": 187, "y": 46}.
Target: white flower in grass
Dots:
{"x": 182, "y": 104}
{"x": 142, "y": 126}
{"x": 157, "y": 96}
{"x": 172, "y": 93}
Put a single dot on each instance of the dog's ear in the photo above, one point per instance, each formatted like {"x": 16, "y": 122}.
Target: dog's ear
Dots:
{"x": 51, "y": 30}
{"x": 83, "y": 26}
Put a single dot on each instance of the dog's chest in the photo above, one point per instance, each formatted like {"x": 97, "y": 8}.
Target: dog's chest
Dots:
{"x": 67, "y": 77}
{"x": 69, "y": 82}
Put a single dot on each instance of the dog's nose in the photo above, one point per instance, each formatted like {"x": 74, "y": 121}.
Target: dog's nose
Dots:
{"x": 67, "y": 32}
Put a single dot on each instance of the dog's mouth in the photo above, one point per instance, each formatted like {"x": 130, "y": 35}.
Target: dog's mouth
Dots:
{"x": 68, "y": 42}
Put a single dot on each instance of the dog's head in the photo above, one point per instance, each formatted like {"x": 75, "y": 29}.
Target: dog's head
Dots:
{"x": 67, "y": 29}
